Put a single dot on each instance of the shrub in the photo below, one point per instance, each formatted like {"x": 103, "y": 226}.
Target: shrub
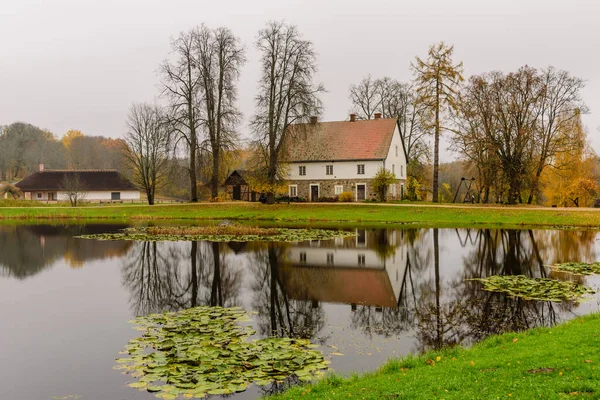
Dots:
{"x": 327, "y": 199}
{"x": 346, "y": 197}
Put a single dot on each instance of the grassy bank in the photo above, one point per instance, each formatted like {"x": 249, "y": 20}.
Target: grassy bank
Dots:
{"x": 561, "y": 362}
{"x": 372, "y": 214}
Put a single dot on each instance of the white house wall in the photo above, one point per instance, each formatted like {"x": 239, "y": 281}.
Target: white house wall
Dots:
{"x": 89, "y": 196}
{"x": 341, "y": 170}
{"x": 394, "y": 163}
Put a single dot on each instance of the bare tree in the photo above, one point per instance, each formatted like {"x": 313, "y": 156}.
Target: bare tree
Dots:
{"x": 561, "y": 105}
{"x": 147, "y": 147}
{"x": 436, "y": 82}
{"x": 286, "y": 93}
{"x": 181, "y": 83}
{"x": 220, "y": 56}
{"x": 366, "y": 97}
{"x": 74, "y": 187}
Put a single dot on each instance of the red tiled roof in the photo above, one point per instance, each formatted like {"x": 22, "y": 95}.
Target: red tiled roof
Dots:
{"x": 90, "y": 180}
{"x": 340, "y": 140}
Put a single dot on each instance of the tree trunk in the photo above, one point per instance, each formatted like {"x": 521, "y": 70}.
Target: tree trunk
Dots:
{"x": 214, "y": 186}
{"x": 436, "y": 147}
{"x": 194, "y": 266}
{"x": 193, "y": 179}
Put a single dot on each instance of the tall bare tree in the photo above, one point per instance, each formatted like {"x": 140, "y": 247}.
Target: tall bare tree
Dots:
{"x": 181, "y": 84}
{"x": 366, "y": 97}
{"x": 286, "y": 93}
{"x": 561, "y": 105}
{"x": 220, "y": 55}
{"x": 147, "y": 147}
{"x": 399, "y": 100}
{"x": 437, "y": 79}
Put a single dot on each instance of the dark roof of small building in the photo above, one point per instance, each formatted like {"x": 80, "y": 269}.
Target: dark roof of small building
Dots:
{"x": 340, "y": 140}
{"x": 239, "y": 177}
{"x": 92, "y": 180}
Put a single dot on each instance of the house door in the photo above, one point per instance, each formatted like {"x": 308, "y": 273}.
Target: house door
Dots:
{"x": 314, "y": 192}
{"x": 237, "y": 192}
{"x": 360, "y": 192}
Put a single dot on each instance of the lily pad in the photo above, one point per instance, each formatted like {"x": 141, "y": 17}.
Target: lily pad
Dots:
{"x": 205, "y": 350}
{"x": 220, "y": 234}
{"x": 534, "y": 288}
{"x": 577, "y": 268}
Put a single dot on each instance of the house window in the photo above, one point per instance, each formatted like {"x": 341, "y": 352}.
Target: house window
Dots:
{"x": 115, "y": 195}
{"x": 361, "y": 169}
{"x": 396, "y": 150}
{"x": 393, "y": 168}
{"x": 329, "y": 170}
{"x": 303, "y": 258}
{"x": 302, "y": 170}
{"x": 361, "y": 259}
{"x": 39, "y": 195}
{"x": 339, "y": 189}
{"x": 393, "y": 189}
{"x": 402, "y": 170}
{"x": 329, "y": 258}
{"x": 293, "y": 190}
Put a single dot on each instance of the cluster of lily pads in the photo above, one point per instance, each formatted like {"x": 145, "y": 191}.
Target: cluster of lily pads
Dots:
{"x": 205, "y": 350}
{"x": 535, "y": 288}
{"x": 276, "y": 235}
{"x": 578, "y": 268}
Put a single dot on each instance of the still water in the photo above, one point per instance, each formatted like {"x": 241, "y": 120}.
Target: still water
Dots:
{"x": 65, "y": 302}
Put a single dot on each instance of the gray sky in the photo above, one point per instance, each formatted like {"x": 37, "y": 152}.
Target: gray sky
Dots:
{"x": 79, "y": 64}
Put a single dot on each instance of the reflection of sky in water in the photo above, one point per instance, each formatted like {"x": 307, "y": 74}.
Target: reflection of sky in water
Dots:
{"x": 66, "y": 301}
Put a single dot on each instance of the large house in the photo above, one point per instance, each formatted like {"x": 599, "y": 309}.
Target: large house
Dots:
{"x": 96, "y": 185}
{"x": 328, "y": 158}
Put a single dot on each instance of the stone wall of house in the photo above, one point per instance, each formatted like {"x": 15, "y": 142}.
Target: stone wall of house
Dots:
{"x": 327, "y": 188}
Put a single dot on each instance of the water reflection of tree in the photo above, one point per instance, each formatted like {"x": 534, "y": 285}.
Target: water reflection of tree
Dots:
{"x": 170, "y": 276}
{"x": 26, "y": 250}
{"x": 465, "y": 313}
{"x": 278, "y": 315}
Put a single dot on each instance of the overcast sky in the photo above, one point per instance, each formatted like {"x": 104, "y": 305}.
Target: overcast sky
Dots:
{"x": 79, "y": 64}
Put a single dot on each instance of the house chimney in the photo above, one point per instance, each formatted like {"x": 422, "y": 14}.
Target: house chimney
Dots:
{"x": 352, "y": 117}
{"x": 313, "y": 119}
{"x": 41, "y": 167}
{"x": 377, "y": 115}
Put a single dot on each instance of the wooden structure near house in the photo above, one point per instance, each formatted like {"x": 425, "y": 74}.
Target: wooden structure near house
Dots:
{"x": 238, "y": 186}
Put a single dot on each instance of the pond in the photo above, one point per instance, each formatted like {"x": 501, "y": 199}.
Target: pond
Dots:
{"x": 382, "y": 293}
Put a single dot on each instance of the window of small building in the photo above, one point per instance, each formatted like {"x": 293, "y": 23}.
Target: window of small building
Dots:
{"x": 293, "y": 190}
{"x": 302, "y": 170}
{"x": 39, "y": 195}
{"x": 339, "y": 189}
{"x": 329, "y": 170}
{"x": 360, "y": 169}
{"x": 115, "y": 195}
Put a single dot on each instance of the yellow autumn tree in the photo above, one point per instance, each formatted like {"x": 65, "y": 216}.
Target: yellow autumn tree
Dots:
{"x": 571, "y": 180}
{"x": 67, "y": 141}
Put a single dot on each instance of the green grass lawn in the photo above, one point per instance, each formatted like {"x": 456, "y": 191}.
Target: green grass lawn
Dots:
{"x": 371, "y": 214}
{"x": 547, "y": 363}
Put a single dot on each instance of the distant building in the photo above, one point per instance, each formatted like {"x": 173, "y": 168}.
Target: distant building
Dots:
{"x": 238, "y": 185}
{"x": 328, "y": 158}
{"x": 97, "y": 185}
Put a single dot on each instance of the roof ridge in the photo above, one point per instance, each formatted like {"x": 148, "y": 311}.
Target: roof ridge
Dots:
{"x": 79, "y": 170}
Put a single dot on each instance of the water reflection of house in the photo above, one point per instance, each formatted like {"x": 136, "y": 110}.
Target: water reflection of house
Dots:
{"x": 366, "y": 269}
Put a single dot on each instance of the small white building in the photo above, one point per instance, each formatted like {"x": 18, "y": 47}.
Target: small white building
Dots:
{"x": 95, "y": 185}
{"x": 328, "y": 158}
